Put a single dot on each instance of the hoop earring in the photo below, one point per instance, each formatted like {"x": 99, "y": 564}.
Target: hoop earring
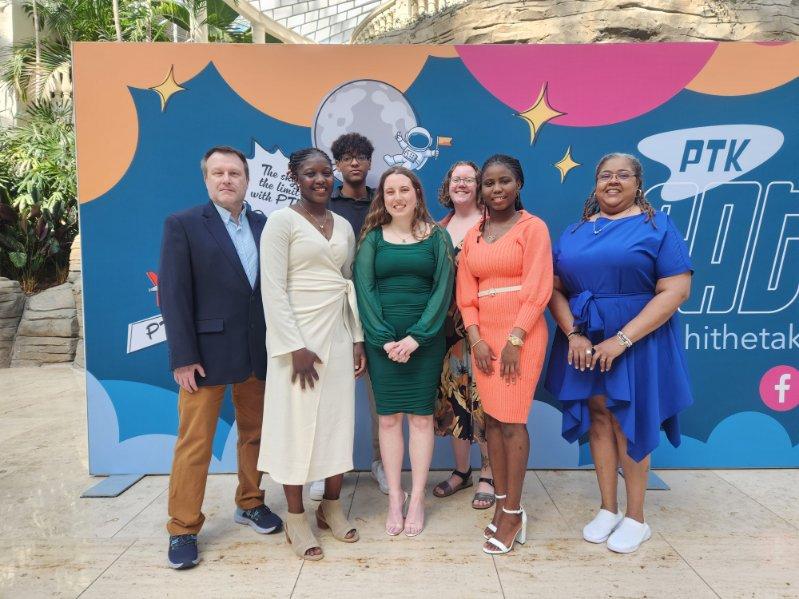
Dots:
{"x": 639, "y": 194}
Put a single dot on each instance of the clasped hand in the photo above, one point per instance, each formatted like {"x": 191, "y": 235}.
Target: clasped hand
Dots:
{"x": 484, "y": 358}
{"x": 583, "y": 355}
{"x": 400, "y": 351}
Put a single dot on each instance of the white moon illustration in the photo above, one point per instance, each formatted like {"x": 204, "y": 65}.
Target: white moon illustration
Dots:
{"x": 374, "y": 109}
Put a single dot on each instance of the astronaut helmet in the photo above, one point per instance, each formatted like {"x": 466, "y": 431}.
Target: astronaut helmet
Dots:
{"x": 419, "y": 132}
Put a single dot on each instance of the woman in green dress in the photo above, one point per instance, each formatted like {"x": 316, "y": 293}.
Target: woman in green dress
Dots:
{"x": 403, "y": 277}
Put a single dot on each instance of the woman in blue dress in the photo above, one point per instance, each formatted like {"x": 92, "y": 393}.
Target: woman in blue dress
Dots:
{"x": 617, "y": 362}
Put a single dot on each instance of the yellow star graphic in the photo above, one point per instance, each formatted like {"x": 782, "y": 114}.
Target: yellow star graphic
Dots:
{"x": 539, "y": 114}
{"x": 167, "y": 88}
{"x": 565, "y": 164}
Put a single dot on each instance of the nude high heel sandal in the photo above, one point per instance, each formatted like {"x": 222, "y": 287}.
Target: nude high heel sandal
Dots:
{"x": 520, "y": 537}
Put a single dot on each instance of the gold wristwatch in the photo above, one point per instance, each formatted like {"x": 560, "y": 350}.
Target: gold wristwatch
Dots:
{"x": 516, "y": 341}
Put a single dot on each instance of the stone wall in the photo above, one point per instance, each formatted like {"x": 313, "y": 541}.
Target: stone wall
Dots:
{"x": 45, "y": 328}
{"x": 576, "y": 21}
{"x": 48, "y": 330}
{"x": 12, "y": 303}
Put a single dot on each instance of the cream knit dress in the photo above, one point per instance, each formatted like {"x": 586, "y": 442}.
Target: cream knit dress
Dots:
{"x": 309, "y": 301}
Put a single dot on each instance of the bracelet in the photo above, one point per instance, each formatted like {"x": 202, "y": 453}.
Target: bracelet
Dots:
{"x": 515, "y": 340}
{"x": 475, "y": 343}
{"x": 575, "y": 332}
{"x": 624, "y": 339}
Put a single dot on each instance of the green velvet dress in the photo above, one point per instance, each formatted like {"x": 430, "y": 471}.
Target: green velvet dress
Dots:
{"x": 404, "y": 289}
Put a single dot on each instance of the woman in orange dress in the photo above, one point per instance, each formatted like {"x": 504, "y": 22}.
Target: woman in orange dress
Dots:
{"x": 504, "y": 285}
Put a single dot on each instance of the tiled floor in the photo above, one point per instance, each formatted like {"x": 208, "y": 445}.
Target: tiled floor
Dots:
{"x": 716, "y": 533}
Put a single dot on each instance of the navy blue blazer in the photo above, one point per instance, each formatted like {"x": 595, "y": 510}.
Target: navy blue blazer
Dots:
{"x": 211, "y": 314}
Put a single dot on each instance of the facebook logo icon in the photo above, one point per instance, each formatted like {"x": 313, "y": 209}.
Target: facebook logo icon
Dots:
{"x": 782, "y": 386}
{"x": 779, "y": 388}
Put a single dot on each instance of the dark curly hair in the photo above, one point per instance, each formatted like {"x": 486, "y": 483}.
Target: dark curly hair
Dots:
{"x": 351, "y": 143}
{"x": 443, "y": 191}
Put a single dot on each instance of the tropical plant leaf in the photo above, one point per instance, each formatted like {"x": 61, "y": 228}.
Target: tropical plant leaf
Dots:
{"x": 18, "y": 259}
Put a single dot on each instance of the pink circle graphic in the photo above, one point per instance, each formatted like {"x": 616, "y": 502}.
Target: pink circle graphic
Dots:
{"x": 779, "y": 388}
{"x": 593, "y": 84}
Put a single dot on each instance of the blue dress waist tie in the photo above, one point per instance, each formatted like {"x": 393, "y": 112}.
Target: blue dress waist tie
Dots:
{"x": 639, "y": 389}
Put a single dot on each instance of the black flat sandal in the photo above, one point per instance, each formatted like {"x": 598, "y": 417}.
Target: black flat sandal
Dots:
{"x": 445, "y": 489}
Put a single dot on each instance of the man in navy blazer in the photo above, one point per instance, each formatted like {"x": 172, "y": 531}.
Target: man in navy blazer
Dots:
{"x": 210, "y": 295}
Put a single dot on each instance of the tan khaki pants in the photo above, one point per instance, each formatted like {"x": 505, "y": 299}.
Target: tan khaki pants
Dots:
{"x": 198, "y": 413}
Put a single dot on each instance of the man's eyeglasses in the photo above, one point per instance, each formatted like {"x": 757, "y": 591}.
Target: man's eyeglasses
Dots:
{"x": 606, "y": 176}
{"x": 466, "y": 180}
{"x": 356, "y": 158}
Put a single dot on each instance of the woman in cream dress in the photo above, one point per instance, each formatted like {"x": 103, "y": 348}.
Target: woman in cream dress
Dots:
{"x": 315, "y": 347}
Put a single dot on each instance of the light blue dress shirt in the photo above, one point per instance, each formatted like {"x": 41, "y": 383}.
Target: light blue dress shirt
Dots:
{"x": 243, "y": 240}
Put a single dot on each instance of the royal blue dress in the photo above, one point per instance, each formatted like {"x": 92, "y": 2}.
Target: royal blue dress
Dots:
{"x": 610, "y": 276}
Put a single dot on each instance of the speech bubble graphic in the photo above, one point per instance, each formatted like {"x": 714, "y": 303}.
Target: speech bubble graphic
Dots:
{"x": 709, "y": 156}
{"x": 270, "y": 187}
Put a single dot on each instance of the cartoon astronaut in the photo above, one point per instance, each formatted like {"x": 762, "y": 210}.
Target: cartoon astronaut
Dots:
{"x": 413, "y": 157}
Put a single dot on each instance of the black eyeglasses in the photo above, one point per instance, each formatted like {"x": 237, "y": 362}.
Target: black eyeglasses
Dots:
{"x": 355, "y": 157}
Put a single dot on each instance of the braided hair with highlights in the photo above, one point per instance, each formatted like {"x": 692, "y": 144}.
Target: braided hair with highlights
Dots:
{"x": 515, "y": 167}
{"x": 591, "y": 205}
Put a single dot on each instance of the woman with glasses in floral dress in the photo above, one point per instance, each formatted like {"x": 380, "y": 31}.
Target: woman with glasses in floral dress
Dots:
{"x": 458, "y": 411}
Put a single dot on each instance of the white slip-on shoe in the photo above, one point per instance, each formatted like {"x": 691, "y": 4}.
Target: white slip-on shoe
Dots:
{"x": 628, "y": 536}
{"x": 598, "y": 530}
{"x": 379, "y": 476}
{"x": 317, "y": 490}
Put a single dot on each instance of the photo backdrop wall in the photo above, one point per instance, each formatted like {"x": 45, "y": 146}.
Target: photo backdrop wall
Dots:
{"x": 716, "y": 125}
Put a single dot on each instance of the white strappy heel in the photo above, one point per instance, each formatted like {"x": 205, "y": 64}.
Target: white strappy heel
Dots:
{"x": 491, "y": 526}
{"x": 521, "y": 535}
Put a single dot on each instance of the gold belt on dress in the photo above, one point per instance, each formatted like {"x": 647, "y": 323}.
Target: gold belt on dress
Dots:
{"x": 494, "y": 291}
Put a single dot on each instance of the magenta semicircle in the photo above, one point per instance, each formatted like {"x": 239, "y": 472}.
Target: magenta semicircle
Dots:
{"x": 594, "y": 84}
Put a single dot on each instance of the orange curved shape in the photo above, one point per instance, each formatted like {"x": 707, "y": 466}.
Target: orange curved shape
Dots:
{"x": 105, "y": 115}
{"x": 737, "y": 69}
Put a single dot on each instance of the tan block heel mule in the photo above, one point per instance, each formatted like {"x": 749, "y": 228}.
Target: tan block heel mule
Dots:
{"x": 330, "y": 515}
{"x": 300, "y": 537}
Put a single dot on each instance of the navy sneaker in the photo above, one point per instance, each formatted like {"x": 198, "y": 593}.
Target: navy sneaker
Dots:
{"x": 259, "y": 518}
{"x": 183, "y": 552}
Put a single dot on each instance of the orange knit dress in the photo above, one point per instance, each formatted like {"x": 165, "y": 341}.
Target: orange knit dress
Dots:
{"x": 522, "y": 256}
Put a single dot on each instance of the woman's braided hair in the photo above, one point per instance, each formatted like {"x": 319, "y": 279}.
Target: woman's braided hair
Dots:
{"x": 514, "y": 166}
{"x": 297, "y": 158}
{"x": 591, "y": 205}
